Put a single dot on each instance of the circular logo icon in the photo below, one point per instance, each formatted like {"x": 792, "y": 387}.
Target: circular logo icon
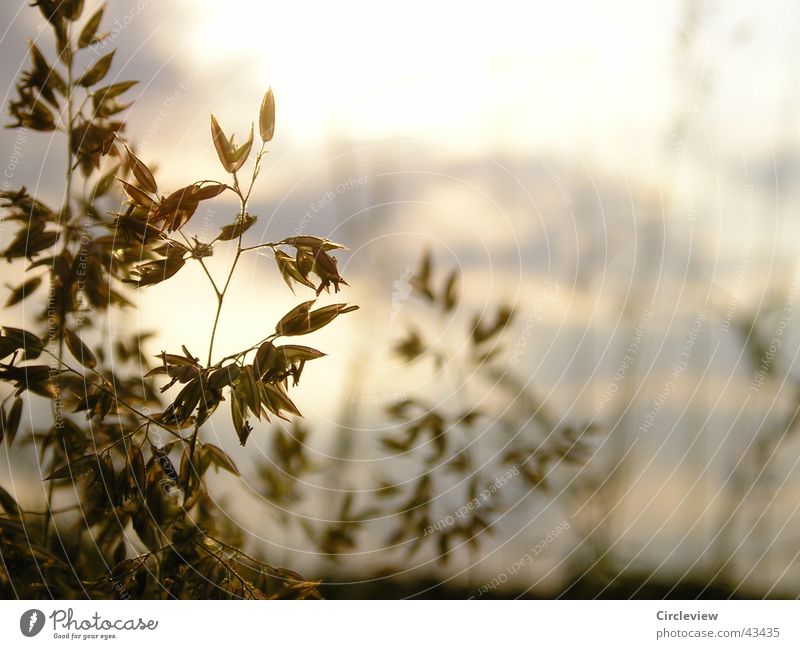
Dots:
{"x": 31, "y": 622}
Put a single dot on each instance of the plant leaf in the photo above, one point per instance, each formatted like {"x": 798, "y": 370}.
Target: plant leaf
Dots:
{"x": 220, "y": 459}
{"x": 264, "y": 359}
{"x": 239, "y": 155}
{"x": 238, "y": 410}
{"x": 450, "y": 292}
{"x": 11, "y": 421}
{"x": 12, "y": 339}
{"x": 266, "y": 117}
{"x": 211, "y": 190}
{"x": 97, "y": 72}
{"x": 136, "y": 195}
{"x": 276, "y": 400}
{"x": 223, "y": 376}
{"x": 142, "y": 173}
{"x": 299, "y": 321}
{"x": 79, "y": 349}
{"x": 239, "y": 226}
{"x": 222, "y": 145}
{"x": 90, "y": 28}
{"x": 295, "y": 353}
{"x": 114, "y": 90}
{"x": 8, "y": 503}
{"x": 75, "y": 468}
{"x": 23, "y": 290}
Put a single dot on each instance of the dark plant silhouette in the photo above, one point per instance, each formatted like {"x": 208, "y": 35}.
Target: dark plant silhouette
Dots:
{"x": 455, "y": 466}
{"x": 139, "y": 520}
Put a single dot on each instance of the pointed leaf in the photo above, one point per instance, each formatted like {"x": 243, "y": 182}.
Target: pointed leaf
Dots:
{"x": 238, "y": 227}
{"x": 248, "y": 388}
{"x": 223, "y": 376}
{"x": 97, "y": 72}
{"x": 294, "y": 322}
{"x": 239, "y": 155}
{"x": 141, "y": 173}
{"x": 90, "y": 29}
{"x": 211, "y": 190}
{"x": 11, "y": 421}
{"x": 450, "y": 292}
{"x": 76, "y": 468}
{"x": 222, "y": 145}
{"x": 22, "y": 291}
{"x": 238, "y": 411}
{"x": 295, "y": 353}
{"x": 220, "y": 458}
{"x": 289, "y": 270}
{"x": 114, "y": 90}
{"x": 79, "y": 349}
{"x": 105, "y": 183}
{"x": 264, "y": 359}
{"x": 137, "y": 195}
{"x": 276, "y": 400}
{"x": 266, "y": 117}
{"x": 8, "y": 503}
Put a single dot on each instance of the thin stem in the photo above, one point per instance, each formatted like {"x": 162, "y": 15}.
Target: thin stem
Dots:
{"x": 208, "y": 274}
{"x": 64, "y": 221}
{"x": 261, "y": 245}
{"x": 53, "y": 512}
{"x": 203, "y": 265}
{"x": 125, "y": 436}
{"x": 238, "y": 355}
{"x": 220, "y": 300}
{"x": 242, "y": 581}
{"x": 237, "y": 552}
{"x": 73, "y": 116}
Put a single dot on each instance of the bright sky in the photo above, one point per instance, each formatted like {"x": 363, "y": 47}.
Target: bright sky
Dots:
{"x": 602, "y": 79}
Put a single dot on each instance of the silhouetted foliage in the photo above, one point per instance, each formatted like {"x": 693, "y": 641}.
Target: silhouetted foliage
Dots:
{"x": 142, "y": 522}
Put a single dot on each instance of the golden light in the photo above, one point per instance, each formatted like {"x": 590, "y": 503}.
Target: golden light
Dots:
{"x": 467, "y": 73}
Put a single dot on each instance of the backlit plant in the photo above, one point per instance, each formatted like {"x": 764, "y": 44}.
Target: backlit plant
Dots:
{"x": 135, "y": 525}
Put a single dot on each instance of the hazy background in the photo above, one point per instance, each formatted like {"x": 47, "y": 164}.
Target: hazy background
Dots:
{"x": 605, "y": 167}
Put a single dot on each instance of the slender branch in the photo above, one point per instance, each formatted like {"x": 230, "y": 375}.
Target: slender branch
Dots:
{"x": 64, "y": 222}
{"x": 238, "y": 355}
{"x": 243, "y": 198}
{"x": 220, "y": 300}
{"x": 53, "y": 512}
{"x": 256, "y": 169}
{"x": 73, "y": 116}
{"x": 237, "y": 553}
{"x": 208, "y": 274}
{"x": 122, "y": 438}
{"x": 261, "y": 245}
{"x": 203, "y": 265}
{"x": 239, "y": 250}
{"x": 242, "y": 581}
